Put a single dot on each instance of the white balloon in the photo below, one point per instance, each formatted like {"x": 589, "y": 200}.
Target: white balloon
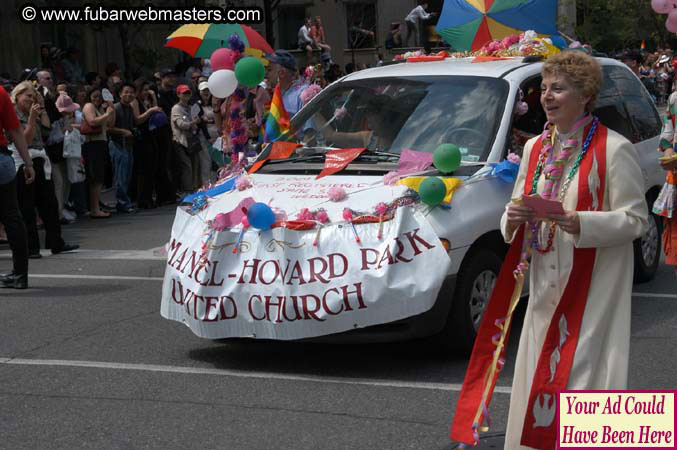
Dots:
{"x": 222, "y": 83}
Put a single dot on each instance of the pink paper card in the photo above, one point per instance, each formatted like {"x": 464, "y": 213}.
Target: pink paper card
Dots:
{"x": 542, "y": 206}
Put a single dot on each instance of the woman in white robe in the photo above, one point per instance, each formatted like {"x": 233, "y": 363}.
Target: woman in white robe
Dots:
{"x": 568, "y": 92}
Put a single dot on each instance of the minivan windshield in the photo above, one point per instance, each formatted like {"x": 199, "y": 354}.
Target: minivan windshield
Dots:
{"x": 417, "y": 113}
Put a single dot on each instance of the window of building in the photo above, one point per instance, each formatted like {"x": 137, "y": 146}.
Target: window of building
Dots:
{"x": 361, "y": 23}
{"x": 290, "y": 20}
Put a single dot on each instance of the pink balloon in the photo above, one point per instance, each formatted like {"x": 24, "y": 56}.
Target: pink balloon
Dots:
{"x": 671, "y": 22}
{"x": 671, "y": 26}
{"x": 223, "y": 58}
{"x": 661, "y": 6}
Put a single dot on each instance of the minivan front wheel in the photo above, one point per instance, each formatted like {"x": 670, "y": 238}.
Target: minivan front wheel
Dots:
{"x": 474, "y": 286}
{"x": 647, "y": 251}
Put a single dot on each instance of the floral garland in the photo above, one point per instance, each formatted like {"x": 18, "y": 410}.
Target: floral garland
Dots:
{"x": 554, "y": 170}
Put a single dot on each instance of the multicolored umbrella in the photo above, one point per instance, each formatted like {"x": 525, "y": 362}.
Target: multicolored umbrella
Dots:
{"x": 200, "y": 40}
{"x": 469, "y": 24}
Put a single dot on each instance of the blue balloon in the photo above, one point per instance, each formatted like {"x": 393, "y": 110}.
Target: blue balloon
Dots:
{"x": 261, "y": 216}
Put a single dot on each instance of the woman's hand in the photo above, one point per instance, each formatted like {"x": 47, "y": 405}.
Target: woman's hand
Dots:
{"x": 35, "y": 111}
{"x": 519, "y": 214}
{"x": 29, "y": 174}
{"x": 569, "y": 222}
{"x": 669, "y": 165}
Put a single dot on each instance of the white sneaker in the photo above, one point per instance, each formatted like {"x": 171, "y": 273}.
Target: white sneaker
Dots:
{"x": 69, "y": 215}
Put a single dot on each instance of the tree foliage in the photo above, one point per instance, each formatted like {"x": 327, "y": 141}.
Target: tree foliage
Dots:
{"x": 610, "y": 25}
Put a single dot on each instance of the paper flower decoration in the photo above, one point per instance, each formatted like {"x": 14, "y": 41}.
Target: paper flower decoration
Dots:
{"x": 322, "y": 216}
{"x": 243, "y": 183}
{"x": 310, "y": 92}
{"x": 305, "y": 214}
{"x": 220, "y": 222}
{"x": 336, "y": 194}
{"x": 514, "y": 158}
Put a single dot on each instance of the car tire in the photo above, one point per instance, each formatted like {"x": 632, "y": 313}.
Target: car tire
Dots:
{"x": 474, "y": 285}
{"x": 647, "y": 250}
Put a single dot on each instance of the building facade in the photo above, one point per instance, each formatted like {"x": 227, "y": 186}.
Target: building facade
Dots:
{"x": 139, "y": 48}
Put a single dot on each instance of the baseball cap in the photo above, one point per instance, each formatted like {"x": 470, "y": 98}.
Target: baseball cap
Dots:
{"x": 180, "y": 89}
{"x": 283, "y": 58}
{"x": 203, "y": 85}
{"x": 167, "y": 73}
{"x": 65, "y": 104}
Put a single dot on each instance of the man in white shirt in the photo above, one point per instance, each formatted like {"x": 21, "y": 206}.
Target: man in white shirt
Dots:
{"x": 305, "y": 41}
{"x": 413, "y": 20}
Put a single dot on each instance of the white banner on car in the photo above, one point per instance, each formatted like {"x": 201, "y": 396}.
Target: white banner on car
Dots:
{"x": 282, "y": 286}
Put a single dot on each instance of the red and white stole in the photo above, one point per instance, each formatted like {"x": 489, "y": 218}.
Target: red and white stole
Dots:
{"x": 540, "y": 428}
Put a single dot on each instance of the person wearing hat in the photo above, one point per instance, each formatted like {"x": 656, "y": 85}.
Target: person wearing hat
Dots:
{"x": 10, "y": 217}
{"x": 184, "y": 136}
{"x": 664, "y": 74}
{"x": 64, "y": 124}
{"x": 285, "y": 73}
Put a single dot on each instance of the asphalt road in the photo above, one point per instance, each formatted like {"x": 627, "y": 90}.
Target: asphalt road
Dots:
{"x": 86, "y": 362}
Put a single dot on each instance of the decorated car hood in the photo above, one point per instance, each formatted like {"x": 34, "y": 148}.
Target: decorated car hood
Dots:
{"x": 315, "y": 272}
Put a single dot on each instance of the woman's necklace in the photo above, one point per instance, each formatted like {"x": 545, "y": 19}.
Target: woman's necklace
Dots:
{"x": 554, "y": 169}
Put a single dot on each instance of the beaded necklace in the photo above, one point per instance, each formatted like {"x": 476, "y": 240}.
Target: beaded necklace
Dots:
{"x": 554, "y": 171}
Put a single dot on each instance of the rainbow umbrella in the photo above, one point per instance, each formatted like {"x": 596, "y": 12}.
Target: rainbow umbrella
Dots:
{"x": 200, "y": 40}
{"x": 470, "y": 24}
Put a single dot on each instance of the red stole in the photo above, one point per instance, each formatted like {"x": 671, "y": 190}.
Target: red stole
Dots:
{"x": 540, "y": 428}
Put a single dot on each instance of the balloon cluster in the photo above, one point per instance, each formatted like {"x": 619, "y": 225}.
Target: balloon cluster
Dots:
{"x": 668, "y": 7}
{"x": 232, "y": 67}
{"x": 446, "y": 158}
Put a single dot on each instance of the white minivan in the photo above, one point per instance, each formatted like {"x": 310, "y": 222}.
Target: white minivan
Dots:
{"x": 472, "y": 105}
{"x": 412, "y": 106}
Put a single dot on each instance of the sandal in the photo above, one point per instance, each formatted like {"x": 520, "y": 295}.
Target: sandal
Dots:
{"x": 101, "y": 215}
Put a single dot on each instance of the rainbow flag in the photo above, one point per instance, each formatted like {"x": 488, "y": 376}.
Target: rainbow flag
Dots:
{"x": 277, "y": 122}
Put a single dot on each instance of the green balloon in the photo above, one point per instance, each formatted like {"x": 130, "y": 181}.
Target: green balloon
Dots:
{"x": 432, "y": 191}
{"x": 249, "y": 71}
{"x": 447, "y": 158}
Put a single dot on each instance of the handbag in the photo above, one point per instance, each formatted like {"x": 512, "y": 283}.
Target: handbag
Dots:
{"x": 86, "y": 128}
{"x": 72, "y": 144}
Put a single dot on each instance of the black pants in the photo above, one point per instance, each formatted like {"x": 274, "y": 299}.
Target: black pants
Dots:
{"x": 164, "y": 179}
{"x": 39, "y": 194}
{"x": 10, "y": 217}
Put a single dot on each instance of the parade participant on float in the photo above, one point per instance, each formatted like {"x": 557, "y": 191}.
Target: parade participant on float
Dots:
{"x": 10, "y": 216}
{"x": 285, "y": 73}
{"x": 576, "y": 332}
{"x": 666, "y": 203}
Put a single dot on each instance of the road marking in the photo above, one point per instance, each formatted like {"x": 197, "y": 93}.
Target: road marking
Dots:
{"x": 153, "y": 254}
{"x": 93, "y": 277}
{"x": 646, "y": 294}
{"x": 453, "y": 387}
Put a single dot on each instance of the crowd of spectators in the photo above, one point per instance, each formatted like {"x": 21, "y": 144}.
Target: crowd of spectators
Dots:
{"x": 656, "y": 70}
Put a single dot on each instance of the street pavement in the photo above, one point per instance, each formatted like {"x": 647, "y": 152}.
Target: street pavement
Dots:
{"x": 86, "y": 362}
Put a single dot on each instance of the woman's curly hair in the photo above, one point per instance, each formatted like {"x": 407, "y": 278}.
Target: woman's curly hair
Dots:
{"x": 579, "y": 68}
